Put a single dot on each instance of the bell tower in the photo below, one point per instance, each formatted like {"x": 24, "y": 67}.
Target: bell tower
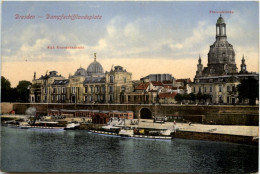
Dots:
{"x": 221, "y": 29}
{"x": 199, "y": 68}
{"x": 243, "y": 66}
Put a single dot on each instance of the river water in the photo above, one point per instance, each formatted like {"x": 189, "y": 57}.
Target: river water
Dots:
{"x": 79, "y": 151}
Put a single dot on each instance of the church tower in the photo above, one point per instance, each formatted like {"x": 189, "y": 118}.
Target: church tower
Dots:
{"x": 221, "y": 56}
{"x": 199, "y": 68}
{"x": 243, "y": 66}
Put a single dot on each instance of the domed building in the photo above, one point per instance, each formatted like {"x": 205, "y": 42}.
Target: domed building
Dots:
{"x": 221, "y": 56}
{"x": 80, "y": 72}
{"x": 95, "y": 69}
{"x": 220, "y": 78}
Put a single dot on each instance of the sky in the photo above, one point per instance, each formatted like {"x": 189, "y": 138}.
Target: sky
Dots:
{"x": 143, "y": 37}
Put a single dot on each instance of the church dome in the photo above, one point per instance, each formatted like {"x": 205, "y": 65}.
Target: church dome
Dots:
{"x": 220, "y": 20}
{"x": 80, "y": 72}
{"x": 95, "y": 68}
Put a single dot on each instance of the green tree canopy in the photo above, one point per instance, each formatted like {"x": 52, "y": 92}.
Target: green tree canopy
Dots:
{"x": 5, "y": 89}
{"x": 178, "y": 98}
{"x": 192, "y": 97}
{"x": 249, "y": 89}
{"x": 23, "y": 90}
{"x": 199, "y": 96}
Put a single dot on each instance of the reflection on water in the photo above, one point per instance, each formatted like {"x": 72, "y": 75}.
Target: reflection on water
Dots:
{"x": 80, "y": 151}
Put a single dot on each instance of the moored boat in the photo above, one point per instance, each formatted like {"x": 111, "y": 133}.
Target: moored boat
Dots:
{"x": 72, "y": 126}
{"x": 126, "y": 132}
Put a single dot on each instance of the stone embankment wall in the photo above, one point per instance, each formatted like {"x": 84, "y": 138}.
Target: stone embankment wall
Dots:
{"x": 215, "y": 137}
{"x": 6, "y": 108}
{"x": 208, "y": 114}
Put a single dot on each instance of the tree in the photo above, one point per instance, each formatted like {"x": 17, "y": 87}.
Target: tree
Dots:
{"x": 5, "y": 89}
{"x": 248, "y": 89}
{"x": 185, "y": 96}
{"x": 205, "y": 97}
{"x": 178, "y": 97}
{"x": 199, "y": 96}
{"x": 23, "y": 91}
{"x": 192, "y": 97}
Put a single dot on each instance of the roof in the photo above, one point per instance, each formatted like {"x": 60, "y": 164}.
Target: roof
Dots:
{"x": 142, "y": 86}
{"x": 80, "y": 72}
{"x": 184, "y": 80}
{"x": 95, "y": 80}
{"x": 220, "y": 20}
{"x": 157, "y": 83}
{"x": 167, "y": 95}
{"x": 95, "y": 67}
{"x": 60, "y": 82}
{"x": 51, "y": 74}
{"x": 118, "y": 69}
{"x": 153, "y": 90}
{"x": 168, "y": 86}
{"x": 167, "y": 82}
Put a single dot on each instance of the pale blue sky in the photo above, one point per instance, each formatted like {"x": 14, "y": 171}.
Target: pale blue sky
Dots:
{"x": 162, "y": 26}
{"x": 137, "y": 35}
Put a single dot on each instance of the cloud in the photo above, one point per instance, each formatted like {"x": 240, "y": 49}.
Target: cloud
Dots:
{"x": 142, "y": 36}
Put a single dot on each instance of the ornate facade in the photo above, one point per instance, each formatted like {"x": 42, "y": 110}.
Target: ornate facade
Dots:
{"x": 85, "y": 86}
{"x": 220, "y": 78}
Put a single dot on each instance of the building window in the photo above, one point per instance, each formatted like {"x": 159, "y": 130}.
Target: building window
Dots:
{"x": 45, "y": 98}
{"x": 63, "y": 97}
{"x": 97, "y": 89}
{"x": 86, "y": 89}
{"x": 86, "y": 98}
{"x": 52, "y": 98}
{"x": 45, "y": 90}
{"x": 228, "y": 100}
{"x": 205, "y": 89}
{"x": 103, "y": 89}
{"x": 124, "y": 79}
{"x": 32, "y": 98}
{"x": 111, "y": 97}
{"x": 210, "y": 89}
{"x": 194, "y": 89}
{"x": 73, "y": 90}
{"x": 111, "y": 79}
{"x": 38, "y": 98}
{"x": 228, "y": 88}
{"x": 63, "y": 90}
{"x": 220, "y": 99}
{"x": 54, "y": 90}
{"x": 91, "y": 89}
{"x": 110, "y": 88}
{"x": 58, "y": 98}
{"x": 122, "y": 89}
{"x": 91, "y": 98}
{"x": 233, "y": 88}
{"x": 199, "y": 89}
{"x": 220, "y": 88}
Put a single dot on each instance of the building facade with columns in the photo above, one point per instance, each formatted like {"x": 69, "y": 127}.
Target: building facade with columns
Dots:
{"x": 220, "y": 77}
{"x": 91, "y": 85}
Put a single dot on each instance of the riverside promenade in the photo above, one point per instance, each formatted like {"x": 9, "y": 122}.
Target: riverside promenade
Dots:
{"x": 228, "y": 133}
{"x": 217, "y": 129}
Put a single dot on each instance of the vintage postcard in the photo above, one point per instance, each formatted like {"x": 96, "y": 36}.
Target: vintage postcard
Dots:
{"x": 135, "y": 86}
